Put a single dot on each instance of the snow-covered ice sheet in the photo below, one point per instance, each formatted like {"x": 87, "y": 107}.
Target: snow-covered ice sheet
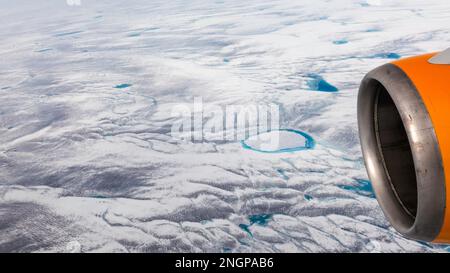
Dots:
{"x": 87, "y": 161}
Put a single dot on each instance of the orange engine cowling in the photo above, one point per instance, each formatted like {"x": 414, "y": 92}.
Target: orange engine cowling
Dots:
{"x": 404, "y": 127}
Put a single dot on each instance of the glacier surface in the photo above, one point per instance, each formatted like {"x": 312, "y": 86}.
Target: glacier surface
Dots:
{"x": 87, "y": 162}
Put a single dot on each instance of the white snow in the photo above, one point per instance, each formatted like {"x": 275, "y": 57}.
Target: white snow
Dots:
{"x": 87, "y": 162}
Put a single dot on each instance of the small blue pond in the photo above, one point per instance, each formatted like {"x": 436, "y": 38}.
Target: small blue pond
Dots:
{"x": 340, "y": 42}
{"x": 308, "y": 197}
{"x": 258, "y": 219}
{"x": 123, "y": 85}
{"x": 361, "y": 187}
{"x": 318, "y": 83}
{"x": 279, "y": 141}
{"x": 388, "y": 55}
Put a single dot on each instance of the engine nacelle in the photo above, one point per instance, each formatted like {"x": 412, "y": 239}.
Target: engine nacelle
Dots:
{"x": 404, "y": 128}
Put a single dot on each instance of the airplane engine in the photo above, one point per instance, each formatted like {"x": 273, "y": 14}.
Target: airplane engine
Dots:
{"x": 404, "y": 128}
